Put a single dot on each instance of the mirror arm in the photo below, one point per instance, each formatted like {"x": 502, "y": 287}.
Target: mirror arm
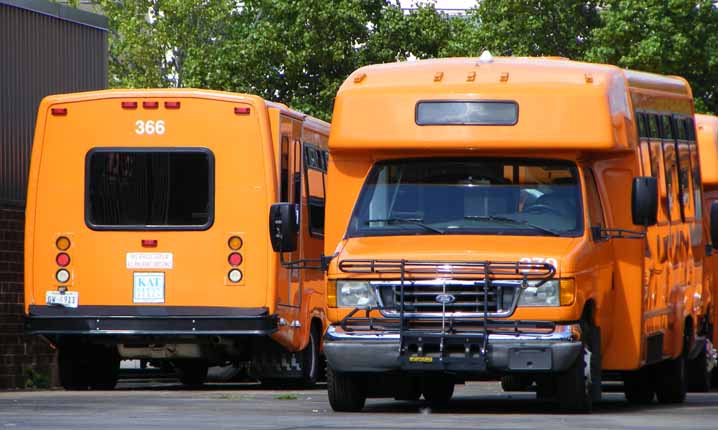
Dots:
{"x": 321, "y": 263}
{"x": 621, "y": 233}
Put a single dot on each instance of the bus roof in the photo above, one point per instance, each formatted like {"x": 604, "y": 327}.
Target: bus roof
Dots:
{"x": 707, "y": 126}
{"x": 562, "y": 104}
{"x": 182, "y": 93}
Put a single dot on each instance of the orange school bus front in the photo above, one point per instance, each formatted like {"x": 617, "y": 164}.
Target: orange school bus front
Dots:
{"x": 146, "y": 234}
{"x": 537, "y": 220}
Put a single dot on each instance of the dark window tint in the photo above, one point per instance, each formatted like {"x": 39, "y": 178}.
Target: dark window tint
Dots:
{"x": 315, "y": 178}
{"x": 697, "y": 193}
{"x": 467, "y": 113}
{"x": 595, "y": 210}
{"x": 667, "y": 127}
{"x": 642, "y": 128}
{"x": 691, "y": 130}
{"x": 140, "y": 189}
{"x": 653, "y": 126}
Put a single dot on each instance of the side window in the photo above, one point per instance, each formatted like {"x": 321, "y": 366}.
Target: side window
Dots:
{"x": 685, "y": 182}
{"x": 697, "y": 192}
{"x": 315, "y": 178}
{"x": 284, "y": 169}
{"x": 653, "y": 129}
{"x": 671, "y": 176}
{"x": 595, "y": 210}
{"x": 642, "y": 127}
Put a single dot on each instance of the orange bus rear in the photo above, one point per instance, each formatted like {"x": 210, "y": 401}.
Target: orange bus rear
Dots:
{"x": 535, "y": 220}
{"x": 146, "y": 234}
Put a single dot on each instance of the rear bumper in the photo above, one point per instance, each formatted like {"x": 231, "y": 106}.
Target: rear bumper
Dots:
{"x": 149, "y": 321}
{"x": 379, "y": 351}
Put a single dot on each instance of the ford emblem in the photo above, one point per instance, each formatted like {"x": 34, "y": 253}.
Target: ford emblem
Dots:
{"x": 445, "y": 299}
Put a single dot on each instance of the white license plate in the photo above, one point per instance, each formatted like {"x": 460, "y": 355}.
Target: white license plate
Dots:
{"x": 148, "y": 287}
{"x": 69, "y": 299}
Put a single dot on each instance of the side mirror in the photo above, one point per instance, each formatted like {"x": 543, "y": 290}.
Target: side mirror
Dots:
{"x": 644, "y": 200}
{"x": 714, "y": 225}
{"x": 283, "y": 227}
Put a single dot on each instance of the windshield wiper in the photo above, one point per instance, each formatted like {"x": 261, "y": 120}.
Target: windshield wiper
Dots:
{"x": 507, "y": 220}
{"x": 414, "y": 221}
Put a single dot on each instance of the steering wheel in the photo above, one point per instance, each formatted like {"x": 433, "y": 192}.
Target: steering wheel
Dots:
{"x": 543, "y": 208}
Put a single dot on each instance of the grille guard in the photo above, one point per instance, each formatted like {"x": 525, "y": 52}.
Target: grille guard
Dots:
{"x": 485, "y": 272}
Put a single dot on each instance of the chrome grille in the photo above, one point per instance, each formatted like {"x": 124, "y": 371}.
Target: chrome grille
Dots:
{"x": 420, "y": 297}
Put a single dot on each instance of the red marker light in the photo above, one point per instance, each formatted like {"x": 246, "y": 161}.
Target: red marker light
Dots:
{"x": 149, "y": 243}
{"x": 235, "y": 259}
{"x": 62, "y": 259}
{"x": 241, "y": 110}
{"x": 172, "y": 105}
{"x": 59, "y": 111}
{"x": 129, "y": 105}
{"x": 150, "y": 105}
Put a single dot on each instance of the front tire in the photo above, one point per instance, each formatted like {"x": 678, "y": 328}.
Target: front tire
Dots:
{"x": 580, "y": 384}
{"x": 438, "y": 390}
{"x": 671, "y": 386}
{"x": 699, "y": 371}
{"x": 347, "y": 392}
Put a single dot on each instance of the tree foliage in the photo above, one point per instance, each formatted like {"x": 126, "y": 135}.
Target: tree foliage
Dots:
{"x": 300, "y": 51}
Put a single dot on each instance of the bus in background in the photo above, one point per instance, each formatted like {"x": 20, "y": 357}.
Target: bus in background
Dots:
{"x": 146, "y": 234}
{"x": 529, "y": 217}
{"x": 707, "y": 126}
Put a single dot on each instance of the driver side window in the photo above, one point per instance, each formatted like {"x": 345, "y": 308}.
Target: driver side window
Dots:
{"x": 595, "y": 210}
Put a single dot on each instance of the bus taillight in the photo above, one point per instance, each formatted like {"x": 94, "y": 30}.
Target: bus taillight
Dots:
{"x": 62, "y": 259}
{"x": 235, "y": 259}
{"x": 149, "y": 243}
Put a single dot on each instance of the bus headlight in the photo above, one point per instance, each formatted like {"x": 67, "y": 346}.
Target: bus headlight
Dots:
{"x": 545, "y": 295}
{"x": 353, "y": 294}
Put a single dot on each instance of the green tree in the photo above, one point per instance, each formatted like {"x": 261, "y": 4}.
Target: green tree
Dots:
{"x": 664, "y": 36}
{"x": 529, "y": 27}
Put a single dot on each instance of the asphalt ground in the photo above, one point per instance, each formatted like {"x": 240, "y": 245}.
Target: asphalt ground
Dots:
{"x": 482, "y": 405}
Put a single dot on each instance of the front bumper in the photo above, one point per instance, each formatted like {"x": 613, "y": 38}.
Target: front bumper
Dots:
{"x": 164, "y": 321}
{"x": 370, "y": 351}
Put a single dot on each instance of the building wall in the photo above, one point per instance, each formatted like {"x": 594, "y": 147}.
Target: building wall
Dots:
{"x": 45, "y": 49}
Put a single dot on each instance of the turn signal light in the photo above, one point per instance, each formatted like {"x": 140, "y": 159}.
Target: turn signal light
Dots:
{"x": 567, "y": 292}
{"x": 235, "y": 243}
{"x": 62, "y": 243}
{"x": 235, "y": 259}
{"x": 235, "y": 275}
{"x": 62, "y": 259}
{"x": 332, "y": 294}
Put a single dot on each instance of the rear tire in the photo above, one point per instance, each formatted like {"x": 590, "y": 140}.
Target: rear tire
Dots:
{"x": 192, "y": 373}
{"x": 438, "y": 390}
{"x": 73, "y": 364}
{"x": 671, "y": 385}
{"x": 346, "y": 392}
{"x": 698, "y": 375}
{"x": 638, "y": 386}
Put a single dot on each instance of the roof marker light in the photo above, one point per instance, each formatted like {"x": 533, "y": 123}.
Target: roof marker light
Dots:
{"x": 589, "y": 78}
{"x": 359, "y": 77}
{"x": 150, "y": 105}
{"x": 486, "y": 57}
{"x": 438, "y": 76}
{"x": 129, "y": 105}
{"x": 504, "y": 77}
{"x": 471, "y": 77}
{"x": 241, "y": 110}
{"x": 59, "y": 111}
{"x": 149, "y": 243}
{"x": 172, "y": 105}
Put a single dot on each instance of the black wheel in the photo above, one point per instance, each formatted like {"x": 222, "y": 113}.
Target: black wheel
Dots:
{"x": 639, "y": 386}
{"x": 347, "y": 392}
{"x": 73, "y": 365}
{"x": 516, "y": 383}
{"x": 310, "y": 359}
{"x": 698, "y": 371}
{"x": 192, "y": 373}
{"x": 438, "y": 390}
{"x": 84, "y": 367}
{"x": 671, "y": 385}
{"x": 580, "y": 384}
{"x": 105, "y": 368}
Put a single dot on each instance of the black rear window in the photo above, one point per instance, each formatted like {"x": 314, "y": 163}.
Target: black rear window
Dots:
{"x": 131, "y": 189}
{"x": 484, "y": 112}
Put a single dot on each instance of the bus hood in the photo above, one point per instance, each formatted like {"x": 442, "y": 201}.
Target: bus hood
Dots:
{"x": 554, "y": 250}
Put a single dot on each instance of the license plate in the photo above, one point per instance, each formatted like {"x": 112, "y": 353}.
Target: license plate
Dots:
{"x": 69, "y": 299}
{"x": 148, "y": 287}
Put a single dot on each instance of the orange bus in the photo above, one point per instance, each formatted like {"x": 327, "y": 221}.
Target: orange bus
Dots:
{"x": 705, "y": 363}
{"x": 146, "y": 234}
{"x": 530, "y": 217}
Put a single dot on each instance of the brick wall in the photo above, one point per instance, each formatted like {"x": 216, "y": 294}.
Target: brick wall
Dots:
{"x": 24, "y": 360}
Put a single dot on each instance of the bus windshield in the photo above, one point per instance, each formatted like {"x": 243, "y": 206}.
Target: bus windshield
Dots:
{"x": 489, "y": 196}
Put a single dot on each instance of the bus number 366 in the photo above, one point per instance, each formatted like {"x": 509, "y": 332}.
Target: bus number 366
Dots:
{"x": 150, "y": 127}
